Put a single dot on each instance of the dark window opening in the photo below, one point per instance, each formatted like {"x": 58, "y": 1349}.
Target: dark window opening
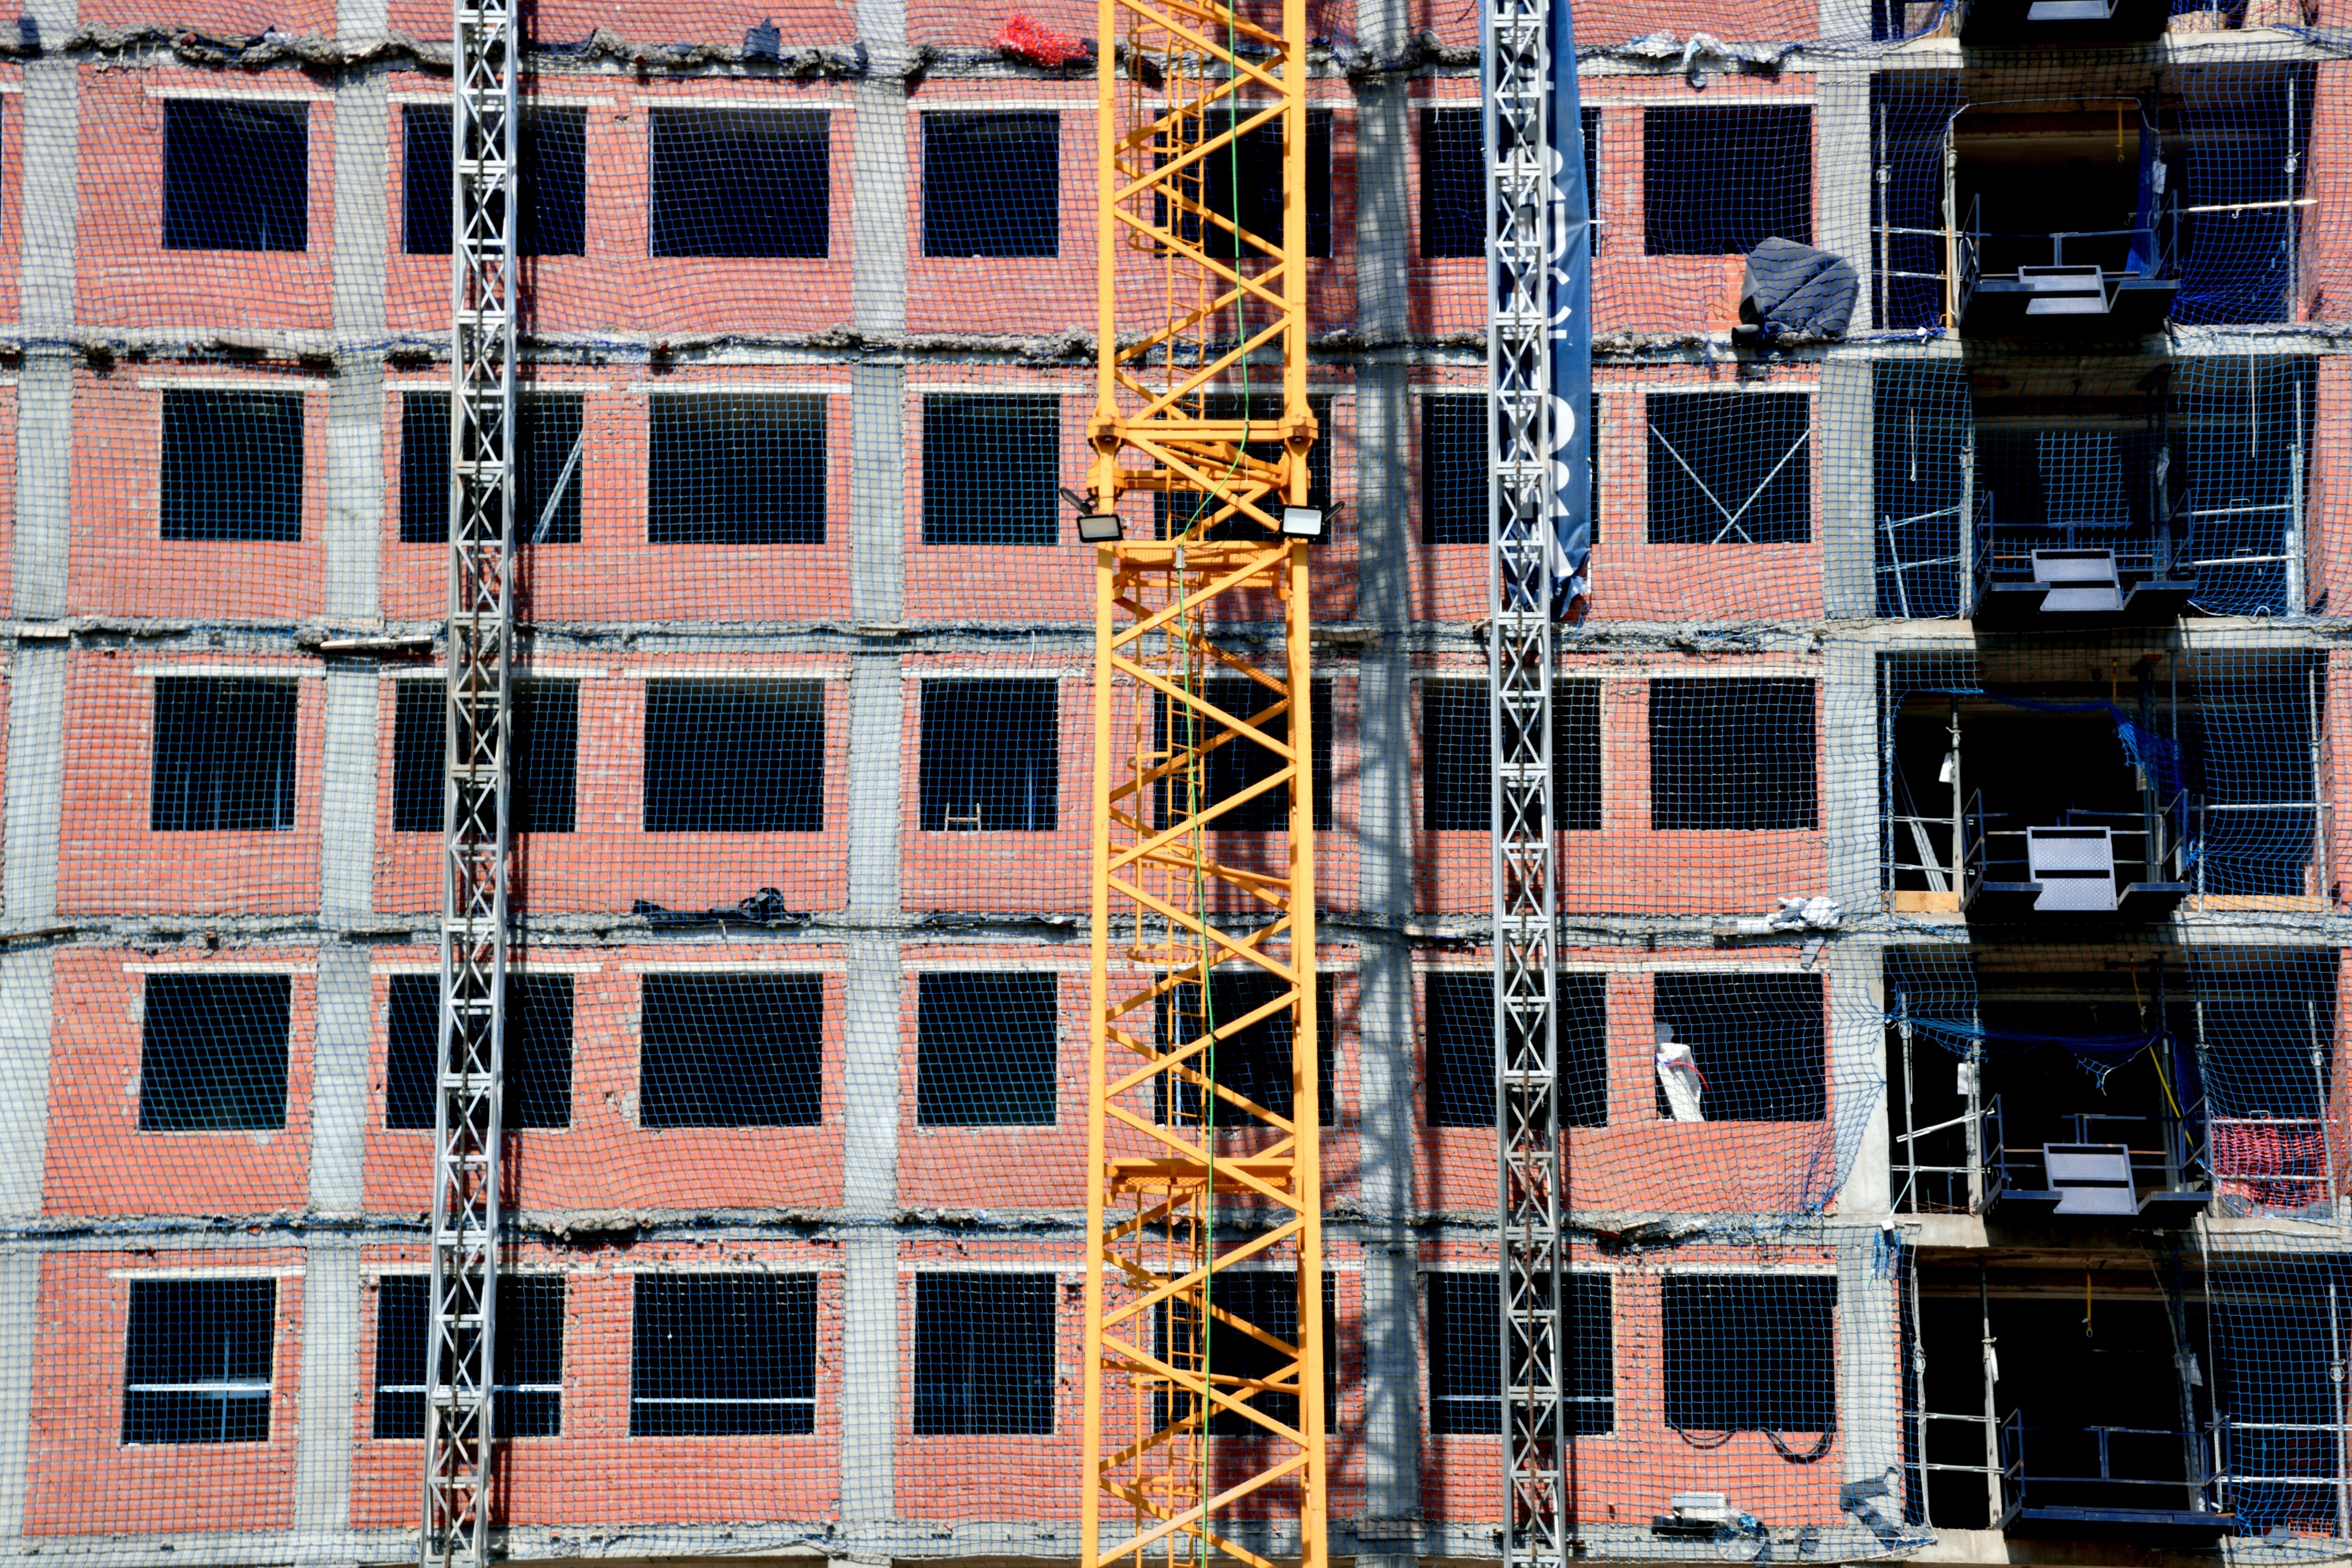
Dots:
{"x": 525, "y": 1363}
{"x": 1456, "y": 775}
{"x": 1731, "y": 754}
{"x": 550, "y": 175}
{"x": 983, "y": 1355}
{"x": 731, "y": 1050}
{"x": 224, "y": 755}
{"x": 1454, "y": 462}
{"x": 987, "y": 1050}
{"x": 1266, "y": 1299}
{"x": 196, "y": 1361}
{"x": 1701, "y": 197}
{"x": 1459, "y": 1005}
{"x": 1254, "y": 1062}
{"x": 232, "y": 466}
{"x": 1465, "y": 1375}
{"x": 992, "y": 468}
{"x": 212, "y": 1053}
{"x": 992, "y": 184}
{"x": 550, "y": 456}
{"x": 1758, "y": 1041}
{"x": 734, "y": 756}
{"x": 236, "y": 176}
{"x": 1452, "y": 182}
{"x": 723, "y": 1355}
{"x": 1175, "y": 511}
{"x": 1731, "y": 467}
{"x": 1750, "y": 1352}
{"x": 741, "y": 182}
{"x": 543, "y": 793}
{"x": 992, "y": 756}
{"x": 1227, "y": 770}
{"x": 735, "y": 469}
{"x": 538, "y": 1058}
{"x": 1241, "y": 185}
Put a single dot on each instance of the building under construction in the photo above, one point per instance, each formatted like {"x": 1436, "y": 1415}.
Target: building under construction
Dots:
{"x": 772, "y": 771}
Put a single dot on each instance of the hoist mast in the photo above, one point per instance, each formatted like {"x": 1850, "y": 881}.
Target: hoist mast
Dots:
{"x": 476, "y": 732}
{"x": 1199, "y": 1195}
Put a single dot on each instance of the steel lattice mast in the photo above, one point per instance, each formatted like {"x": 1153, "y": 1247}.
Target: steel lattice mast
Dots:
{"x": 1520, "y": 233}
{"x": 1208, "y": 308}
{"x": 477, "y": 728}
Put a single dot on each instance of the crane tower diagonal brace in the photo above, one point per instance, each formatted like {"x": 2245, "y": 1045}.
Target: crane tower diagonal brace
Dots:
{"x": 1201, "y": 436}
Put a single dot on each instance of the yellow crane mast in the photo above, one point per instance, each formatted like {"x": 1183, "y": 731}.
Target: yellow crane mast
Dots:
{"x": 1205, "y": 1370}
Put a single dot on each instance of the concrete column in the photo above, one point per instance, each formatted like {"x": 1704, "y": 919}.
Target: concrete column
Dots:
{"x": 51, "y": 141}
{"x": 878, "y": 494}
{"x": 340, "y": 1092}
{"x": 349, "y": 767}
{"x": 35, "y": 789}
{"x": 20, "y": 1316}
{"x": 1843, "y": 173}
{"x": 355, "y": 402}
{"x": 1857, "y": 1041}
{"x": 329, "y": 1395}
{"x": 1845, "y": 427}
{"x": 1870, "y": 1376}
{"x": 1849, "y": 776}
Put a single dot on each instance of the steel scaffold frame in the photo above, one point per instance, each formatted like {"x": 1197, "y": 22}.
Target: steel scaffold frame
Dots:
{"x": 1207, "y": 304}
{"x": 477, "y": 728}
{"x": 1523, "y": 499}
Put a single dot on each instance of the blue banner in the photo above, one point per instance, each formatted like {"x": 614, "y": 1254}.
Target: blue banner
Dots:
{"x": 1571, "y": 328}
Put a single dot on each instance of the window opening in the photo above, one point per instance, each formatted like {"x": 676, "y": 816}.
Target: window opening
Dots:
{"x": 1751, "y": 1353}
{"x": 1756, "y": 1042}
{"x": 992, "y": 756}
{"x": 538, "y": 1052}
{"x": 736, "y": 469}
{"x": 196, "y": 1361}
{"x": 1465, "y": 1375}
{"x": 1175, "y": 511}
{"x": 551, "y": 179}
{"x": 1731, "y": 467}
{"x": 1456, "y": 770}
{"x": 527, "y": 1361}
{"x": 992, "y": 184}
{"x": 1253, "y": 1062}
{"x": 1459, "y": 1021}
{"x": 224, "y": 755}
{"x": 1731, "y": 755}
{"x": 741, "y": 182}
{"x": 723, "y": 1355}
{"x": 731, "y": 1050}
{"x": 1229, "y": 769}
{"x": 232, "y": 466}
{"x": 212, "y": 1051}
{"x": 1254, "y": 166}
{"x": 1266, "y": 1299}
{"x": 550, "y": 452}
{"x": 236, "y": 174}
{"x": 1695, "y": 202}
{"x": 734, "y": 756}
{"x": 541, "y": 793}
{"x": 987, "y": 1049}
{"x": 983, "y": 1355}
{"x": 992, "y": 468}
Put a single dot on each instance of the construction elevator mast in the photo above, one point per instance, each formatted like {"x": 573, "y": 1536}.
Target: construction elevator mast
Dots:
{"x": 1204, "y": 1388}
{"x": 476, "y": 735}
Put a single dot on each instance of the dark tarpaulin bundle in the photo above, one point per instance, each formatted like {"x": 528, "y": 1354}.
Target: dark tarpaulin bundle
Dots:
{"x": 1793, "y": 291}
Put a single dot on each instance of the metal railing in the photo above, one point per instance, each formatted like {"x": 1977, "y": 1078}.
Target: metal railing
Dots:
{"x": 2170, "y": 1159}
{"x": 2128, "y": 1489}
{"x": 2160, "y": 844}
{"x": 1895, "y": 565}
{"x": 2007, "y": 1473}
{"x": 2326, "y": 1447}
{"x": 1956, "y": 1166}
{"x": 2274, "y": 1161}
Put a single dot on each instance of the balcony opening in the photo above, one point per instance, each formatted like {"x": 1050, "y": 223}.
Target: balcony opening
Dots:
{"x": 2063, "y": 220}
{"x": 2111, "y": 799}
{"x": 2078, "y": 1408}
